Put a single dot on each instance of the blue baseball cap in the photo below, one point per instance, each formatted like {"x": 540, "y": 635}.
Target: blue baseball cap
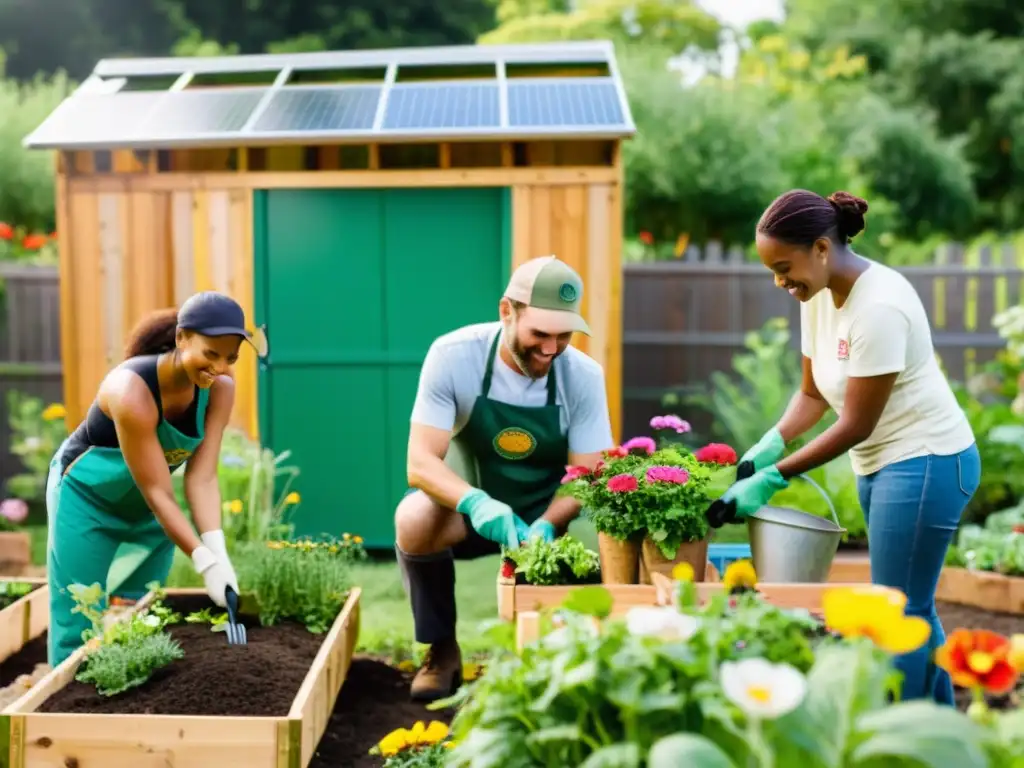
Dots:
{"x": 214, "y": 314}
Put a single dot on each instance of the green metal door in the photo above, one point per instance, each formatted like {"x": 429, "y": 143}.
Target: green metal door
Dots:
{"x": 353, "y": 286}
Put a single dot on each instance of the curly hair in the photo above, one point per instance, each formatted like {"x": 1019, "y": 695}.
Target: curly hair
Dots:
{"x": 800, "y": 217}
{"x": 153, "y": 335}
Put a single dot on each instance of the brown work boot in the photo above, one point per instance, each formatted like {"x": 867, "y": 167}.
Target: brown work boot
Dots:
{"x": 441, "y": 673}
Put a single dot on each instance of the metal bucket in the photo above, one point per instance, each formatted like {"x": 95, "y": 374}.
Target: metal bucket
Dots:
{"x": 788, "y": 546}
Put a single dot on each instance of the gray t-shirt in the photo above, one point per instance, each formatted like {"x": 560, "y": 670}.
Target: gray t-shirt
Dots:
{"x": 453, "y": 372}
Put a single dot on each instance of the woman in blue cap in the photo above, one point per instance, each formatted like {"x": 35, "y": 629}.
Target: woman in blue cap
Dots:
{"x": 109, "y": 487}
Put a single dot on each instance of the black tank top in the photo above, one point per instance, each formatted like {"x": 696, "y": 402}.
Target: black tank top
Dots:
{"x": 97, "y": 429}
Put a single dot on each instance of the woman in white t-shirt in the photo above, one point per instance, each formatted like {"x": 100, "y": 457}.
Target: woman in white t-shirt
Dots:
{"x": 868, "y": 355}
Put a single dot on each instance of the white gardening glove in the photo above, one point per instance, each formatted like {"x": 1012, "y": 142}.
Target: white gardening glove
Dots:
{"x": 217, "y": 574}
{"x": 215, "y": 541}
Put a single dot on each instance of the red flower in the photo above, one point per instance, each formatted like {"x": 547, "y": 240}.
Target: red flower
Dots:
{"x": 618, "y": 452}
{"x": 623, "y": 483}
{"x": 1018, "y": 529}
{"x": 6, "y": 231}
{"x": 599, "y": 468}
{"x": 716, "y": 453}
{"x": 978, "y": 658}
{"x": 33, "y": 242}
{"x": 508, "y": 569}
{"x": 647, "y": 238}
{"x": 574, "y": 473}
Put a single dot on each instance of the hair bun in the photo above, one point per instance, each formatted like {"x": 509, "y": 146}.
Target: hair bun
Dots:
{"x": 850, "y": 211}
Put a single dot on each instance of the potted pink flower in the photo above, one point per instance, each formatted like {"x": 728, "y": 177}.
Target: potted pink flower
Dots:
{"x": 648, "y": 506}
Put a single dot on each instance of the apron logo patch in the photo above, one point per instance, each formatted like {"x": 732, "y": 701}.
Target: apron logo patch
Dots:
{"x": 844, "y": 350}
{"x": 176, "y": 456}
{"x": 513, "y": 443}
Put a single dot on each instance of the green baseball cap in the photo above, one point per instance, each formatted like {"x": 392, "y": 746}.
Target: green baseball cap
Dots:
{"x": 554, "y": 290}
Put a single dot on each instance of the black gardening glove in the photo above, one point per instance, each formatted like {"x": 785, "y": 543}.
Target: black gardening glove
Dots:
{"x": 722, "y": 512}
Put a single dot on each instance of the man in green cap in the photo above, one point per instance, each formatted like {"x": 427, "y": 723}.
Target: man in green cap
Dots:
{"x": 502, "y": 408}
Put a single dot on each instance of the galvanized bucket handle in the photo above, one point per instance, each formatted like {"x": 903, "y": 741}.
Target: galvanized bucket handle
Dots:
{"x": 828, "y": 500}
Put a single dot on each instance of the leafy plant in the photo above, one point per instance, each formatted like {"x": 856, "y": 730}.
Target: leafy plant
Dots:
{"x": 12, "y": 590}
{"x": 217, "y": 622}
{"x": 256, "y": 486}
{"x": 636, "y": 488}
{"x": 305, "y": 581}
{"x": 748, "y": 402}
{"x": 37, "y": 430}
{"x": 563, "y": 561}
{"x": 126, "y": 653}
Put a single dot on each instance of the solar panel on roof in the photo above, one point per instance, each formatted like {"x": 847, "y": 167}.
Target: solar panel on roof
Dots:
{"x": 184, "y": 113}
{"x": 429, "y": 106}
{"x": 96, "y": 118}
{"x": 351, "y": 108}
{"x": 577, "y": 102}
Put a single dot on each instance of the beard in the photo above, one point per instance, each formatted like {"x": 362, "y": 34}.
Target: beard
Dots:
{"x": 521, "y": 354}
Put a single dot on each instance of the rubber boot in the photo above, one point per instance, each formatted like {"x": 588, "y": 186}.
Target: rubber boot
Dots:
{"x": 429, "y": 582}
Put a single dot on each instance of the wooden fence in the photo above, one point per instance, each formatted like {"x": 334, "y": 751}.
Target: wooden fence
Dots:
{"x": 29, "y": 345}
{"x": 683, "y": 320}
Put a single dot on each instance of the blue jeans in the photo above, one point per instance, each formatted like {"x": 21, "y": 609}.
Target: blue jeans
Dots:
{"x": 912, "y": 509}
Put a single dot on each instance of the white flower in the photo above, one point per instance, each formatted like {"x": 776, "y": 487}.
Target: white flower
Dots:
{"x": 664, "y": 622}
{"x": 762, "y": 689}
{"x": 150, "y": 620}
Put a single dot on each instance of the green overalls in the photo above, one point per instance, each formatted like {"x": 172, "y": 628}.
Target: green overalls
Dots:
{"x": 520, "y": 455}
{"x": 94, "y": 510}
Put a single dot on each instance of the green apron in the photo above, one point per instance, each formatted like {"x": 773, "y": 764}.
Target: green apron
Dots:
{"x": 520, "y": 451}
{"x": 101, "y": 529}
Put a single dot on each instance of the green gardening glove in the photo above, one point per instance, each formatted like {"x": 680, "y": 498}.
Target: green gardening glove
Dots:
{"x": 493, "y": 519}
{"x": 542, "y": 529}
{"x": 768, "y": 450}
{"x": 745, "y": 497}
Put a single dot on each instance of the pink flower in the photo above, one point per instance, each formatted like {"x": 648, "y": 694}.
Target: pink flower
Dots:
{"x": 644, "y": 444}
{"x": 716, "y": 453}
{"x": 622, "y": 483}
{"x": 14, "y": 510}
{"x": 660, "y": 474}
{"x": 574, "y": 473}
{"x": 670, "y": 421}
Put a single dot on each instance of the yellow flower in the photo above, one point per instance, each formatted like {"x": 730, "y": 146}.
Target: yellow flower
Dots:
{"x": 682, "y": 572}
{"x": 54, "y": 411}
{"x": 740, "y": 573}
{"x": 292, "y": 498}
{"x": 419, "y": 735}
{"x": 876, "y": 613}
{"x": 346, "y": 536}
{"x": 276, "y": 544}
{"x": 234, "y": 507}
{"x": 357, "y": 539}
{"x": 406, "y": 666}
{"x": 471, "y": 672}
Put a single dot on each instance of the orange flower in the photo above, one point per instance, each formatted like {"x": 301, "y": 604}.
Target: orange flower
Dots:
{"x": 646, "y": 238}
{"x": 978, "y": 658}
{"x": 33, "y": 242}
{"x": 6, "y": 231}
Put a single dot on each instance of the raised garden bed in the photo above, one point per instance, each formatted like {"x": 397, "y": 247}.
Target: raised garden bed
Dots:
{"x": 24, "y": 619}
{"x": 982, "y": 589}
{"x": 262, "y": 705}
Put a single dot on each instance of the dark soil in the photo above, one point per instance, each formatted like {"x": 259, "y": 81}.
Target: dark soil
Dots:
{"x": 8, "y": 600}
{"x": 214, "y": 678}
{"x": 373, "y": 702}
{"x": 24, "y": 661}
{"x": 954, "y": 616}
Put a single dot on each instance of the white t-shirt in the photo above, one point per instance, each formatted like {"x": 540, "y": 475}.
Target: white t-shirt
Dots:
{"x": 453, "y": 372}
{"x": 883, "y": 328}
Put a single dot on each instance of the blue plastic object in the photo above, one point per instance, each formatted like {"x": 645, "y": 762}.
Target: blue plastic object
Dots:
{"x": 720, "y": 555}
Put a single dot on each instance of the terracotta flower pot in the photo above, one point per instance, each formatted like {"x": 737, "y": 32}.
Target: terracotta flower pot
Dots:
{"x": 620, "y": 560}
{"x": 693, "y": 552}
{"x": 15, "y": 552}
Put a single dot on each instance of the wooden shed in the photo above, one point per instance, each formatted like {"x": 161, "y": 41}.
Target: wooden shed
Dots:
{"x": 358, "y": 204}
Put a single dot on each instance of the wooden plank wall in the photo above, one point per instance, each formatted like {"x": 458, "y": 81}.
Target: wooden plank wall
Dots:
{"x": 579, "y": 223}
{"x": 130, "y": 251}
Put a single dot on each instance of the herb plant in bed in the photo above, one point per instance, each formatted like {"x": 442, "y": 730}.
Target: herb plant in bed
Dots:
{"x": 201, "y": 699}
{"x": 564, "y": 561}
